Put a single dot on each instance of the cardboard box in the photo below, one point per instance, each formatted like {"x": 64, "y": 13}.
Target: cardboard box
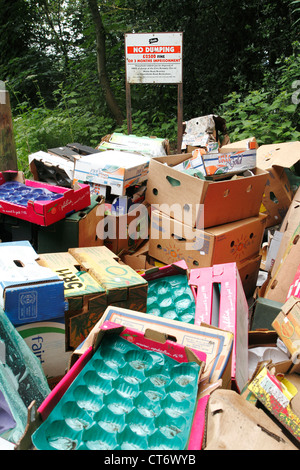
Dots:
{"x": 170, "y": 241}
{"x": 76, "y": 230}
{"x": 279, "y": 394}
{"x": 123, "y": 233}
{"x": 290, "y": 229}
{"x": 46, "y": 340}
{"x": 249, "y": 270}
{"x": 113, "y": 168}
{"x": 253, "y": 429}
{"x": 275, "y": 158}
{"x": 151, "y": 146}
{"x": 43, "y": 212}
{"x": 202, "y": 203}
{"x": 53, "y": 169}
{"x": 215, "y": 343}
{"x": 287, "y": 326}
{"x": 86, "y": 298}
{"x": 277, "y": 287}
{"x": 152, "y": 342}
{"x": 29, "y": 292}
{"x": 93, "y": 279}
{"x": 265, "y": 311}
{"x": 221, "y": 302}
{"x": 294, "y": 290}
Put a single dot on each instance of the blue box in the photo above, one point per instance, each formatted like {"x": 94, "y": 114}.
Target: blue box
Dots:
{"x": 29, "y": 292}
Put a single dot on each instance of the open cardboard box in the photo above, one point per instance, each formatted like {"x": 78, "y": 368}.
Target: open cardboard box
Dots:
{"x": 279, "y": 393}
{"x": 45, "y": 212}
{"x": 274, "y": 159}
{"x": 94, "y": 279}
{"x": 202, "y": 203}
{"x": 221, "y": 302}
{"x": 29, "y": 292}
{"x": 287, "y": 326}
{"x": 150, "y": 340}
{"x": 215, "y": 343}
{"x": 171, "y": 240}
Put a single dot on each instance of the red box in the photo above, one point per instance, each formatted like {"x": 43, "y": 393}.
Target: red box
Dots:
{"x": 45, "y": 212}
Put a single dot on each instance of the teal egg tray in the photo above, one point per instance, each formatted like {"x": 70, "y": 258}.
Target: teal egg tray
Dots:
{"x": 125, "y": 398}
{"x": 171, "y": 297}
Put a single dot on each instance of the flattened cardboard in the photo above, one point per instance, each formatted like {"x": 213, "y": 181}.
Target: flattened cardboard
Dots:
{"x": 215, "y": 343}
{"x": 236, "y": 424}
{"x": 224, "y": 201}
{"x": 170, "y": 241}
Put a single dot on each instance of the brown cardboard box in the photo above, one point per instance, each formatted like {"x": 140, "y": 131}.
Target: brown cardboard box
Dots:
{"x": 128, "y": 231}
{"x": 278, "y": 195}
{"x": 287, "y": 326}
{"x": 290, "y": 228}
{"x": 236, "y": 424}
{"x": 181, "y": 195}
{"x": 248, "y": 270}
{"x": 277, "y": 288}
{"x": 172, "y": 241}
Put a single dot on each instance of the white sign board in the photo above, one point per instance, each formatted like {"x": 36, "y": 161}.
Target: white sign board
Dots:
{"x": 153, "y": 57}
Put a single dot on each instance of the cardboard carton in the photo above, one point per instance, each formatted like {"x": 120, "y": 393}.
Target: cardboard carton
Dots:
{"x": 236, "y": 424}
{"x": 53, "y": 169}
{"x": 294, "y": 290}
{"x": 28, "y": 292}
{"x": 289, "y": 228}
{"x": 275, "y": 158}
{"x": 202, "y": 203}
{"x": 279, "y": 394}
{"x": 265, "y": 311}
{"x": 151, "y": 341}
{"x": 114, "y": 168}
{"x": 215, "y": 343}
{"x": 78, "y": 229}
{"x": 47, "y": 341}
{"x": 123, "y": 233}
{"x": 287, "y": 326}
{"x": 170, "y": 241}
{"x": 221, "y": 302}
{"x": 42, "y": 212}
{"x": 150, "y": 146}
{"x": 278, "y": 285}
{"x": 93, "y": 279}
{"x": 249, "y": 271}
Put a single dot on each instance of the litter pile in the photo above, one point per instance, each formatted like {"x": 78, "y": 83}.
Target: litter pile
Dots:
{"x": 150, "y": 300}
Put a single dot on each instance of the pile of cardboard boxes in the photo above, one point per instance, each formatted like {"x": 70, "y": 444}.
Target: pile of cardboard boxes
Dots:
{"x": 154, "y": 303}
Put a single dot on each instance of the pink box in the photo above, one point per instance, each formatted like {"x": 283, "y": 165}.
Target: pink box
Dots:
{"x": 221, "y": 302}
{"x": 45, "y": 212}
{"x": 294, "y": 290}
{"x": 153, "y": 341}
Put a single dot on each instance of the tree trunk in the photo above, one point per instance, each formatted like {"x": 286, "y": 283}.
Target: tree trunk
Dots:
{"x": 8, "y": 155}
{"x": 101, "y": 63}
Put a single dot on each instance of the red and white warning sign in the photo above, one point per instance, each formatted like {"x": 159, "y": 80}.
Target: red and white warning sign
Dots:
{"x": 153, "y": 57}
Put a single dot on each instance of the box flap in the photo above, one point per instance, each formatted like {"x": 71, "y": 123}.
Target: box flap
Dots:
{"x": 284, "y": 155}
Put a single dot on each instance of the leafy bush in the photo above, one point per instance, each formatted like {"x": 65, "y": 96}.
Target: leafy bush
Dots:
{"x": 271, "y": 114}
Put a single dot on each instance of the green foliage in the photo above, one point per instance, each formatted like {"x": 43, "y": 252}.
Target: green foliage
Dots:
{"x": 41, "y": 128}
{"x": 271, "y": 114}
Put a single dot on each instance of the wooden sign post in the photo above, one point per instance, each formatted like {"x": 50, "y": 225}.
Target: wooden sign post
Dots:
{"x": 8, "y": 155}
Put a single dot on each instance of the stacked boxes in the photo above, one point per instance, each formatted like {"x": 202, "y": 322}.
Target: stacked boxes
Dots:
{"x": 205, "y": 221}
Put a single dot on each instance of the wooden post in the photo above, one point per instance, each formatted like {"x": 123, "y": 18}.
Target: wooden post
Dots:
{"x": 8, "y": 155}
